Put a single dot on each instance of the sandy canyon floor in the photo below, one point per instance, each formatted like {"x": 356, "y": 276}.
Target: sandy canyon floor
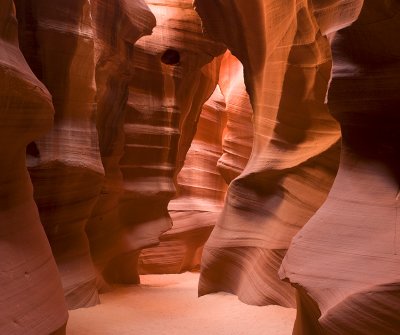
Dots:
{"x": 168, "y": 304}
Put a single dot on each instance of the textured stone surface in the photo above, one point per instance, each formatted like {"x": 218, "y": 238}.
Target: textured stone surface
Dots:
{"x": 65, "y": 165}
{"x": 238, "y": 135}
{"x": 200, "y": 195}
{"x": 175, "y": 73}
{"x": 345, "y": 262}
{"x": 31, "y": 296}
{"x": 294, "y": 158}
{"x": 118, "y": 25}
{"x": 126, "y": 108}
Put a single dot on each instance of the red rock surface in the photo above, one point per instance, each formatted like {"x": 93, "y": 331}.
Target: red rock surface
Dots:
{"x": 175, "y": 73}
{"x": 345, "y": 262}
{"x": 66, "y": 170}
{"x": 200, "y": 195}
{"x": 226, "y": 117}
{"x": 118, "y": 25}
{"x": 238, "y": 135}
{"x": 126, "y": 107}
{"x": 31, "y": 296}
{"x": 295, "y": 151}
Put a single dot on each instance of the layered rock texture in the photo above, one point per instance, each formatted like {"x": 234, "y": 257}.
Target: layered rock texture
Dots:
{"x": 123, "y": 119}
{"x": 118, "y": 26}
{"x": 31, "y": 296}
{"x": 200, "y": 195}
{"x": 295, "y": 153}
{"x": 238, "y": 135}
{"x": 345, "y": 262}
{"x": 65, "y": 166}
{"x": 175, "y": 72}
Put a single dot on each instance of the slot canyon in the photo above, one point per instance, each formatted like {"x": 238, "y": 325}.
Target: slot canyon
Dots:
{"x": 221, "y": 167}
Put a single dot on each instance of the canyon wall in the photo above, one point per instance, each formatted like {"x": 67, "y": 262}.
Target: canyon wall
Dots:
{"x": 295, "y": 149}
{"x": 31, "y": 295}
{"x": 118, "y": 26}
{"x": 175, "y": 72}
{"x": 345, "y": 262}
{"x": 200, "y": 195}
{"x": 125, "y": 116}
{"x": 238, "y": 135}
{"x": 219, "y": 152}
{"x": 57, "y": 41}
{"x": 122, "y": 119}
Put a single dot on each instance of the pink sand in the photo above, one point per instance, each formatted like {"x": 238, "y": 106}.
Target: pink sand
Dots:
{"x": 168, "y": 304}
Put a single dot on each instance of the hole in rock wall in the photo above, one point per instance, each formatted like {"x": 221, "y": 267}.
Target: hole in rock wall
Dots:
{"x": 171, "y": 57}
{"x": 32, "y": 150}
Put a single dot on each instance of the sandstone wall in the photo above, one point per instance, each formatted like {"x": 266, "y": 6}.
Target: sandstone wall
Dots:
{"x": 30, "y": 288}
{"x": 294, "y": 158}
{"x": 345, "y": 262}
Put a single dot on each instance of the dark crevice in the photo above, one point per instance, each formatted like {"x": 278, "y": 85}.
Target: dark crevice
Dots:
{"x": 171, "y": 57}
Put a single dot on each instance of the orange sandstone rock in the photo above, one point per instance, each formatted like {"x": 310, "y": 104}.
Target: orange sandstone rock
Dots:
{"x": 287, "y": 66}
{"x": 238, "y": 135}
{"x": 65, "y": 166}
{"x": 345, "y": 262}
{"x": 175, "y": 72}
{"x": 200, "y": 195}
{"x": 31, "y": 296}
{"x": 118, "y": 25}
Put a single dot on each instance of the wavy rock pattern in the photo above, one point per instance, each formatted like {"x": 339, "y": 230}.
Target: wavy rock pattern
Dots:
{"x": 175, "y": 73}
{"x": 118, "y": 25}
{"x": 31, "y": 295}
{"x": 238, "y": 136}
{"x": 201, "y": 192}
{"x": 65, "y": 166}
{"x": 126, "y": 108}
{"x": 294, "y": 158}
{"x": 345, "y": 262}
{"x": 195, "y": 212}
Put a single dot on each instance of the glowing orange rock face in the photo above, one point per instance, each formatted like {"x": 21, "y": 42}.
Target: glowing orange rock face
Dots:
{"x": 238, "y": 135}
{"x": 30, "y": 288}
{"x": 225, "y": 128}
{"x": 345, "y": 262}
{"x": 175, "y": 73}
{"x": 295, "y": 153}
{"x": 124, "y": 143}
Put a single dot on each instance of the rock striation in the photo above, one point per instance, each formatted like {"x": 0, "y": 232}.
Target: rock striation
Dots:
{"x": 65, "y": 167}
{"x": 118, "y": 25}
{"x": 123, "y": 123}
{"x": 345, "y": 262}
{"x": 295, "y": 151}
{"x": 238, "y": 135}
{"x": 175, "y": 72}
{"x": 31, "y": 295}
{"x": 200, "y": 196}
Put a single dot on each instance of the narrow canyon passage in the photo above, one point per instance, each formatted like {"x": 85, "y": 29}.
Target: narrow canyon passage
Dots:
{"x": 168, "y": 304}
{"x": 199, "y": 167}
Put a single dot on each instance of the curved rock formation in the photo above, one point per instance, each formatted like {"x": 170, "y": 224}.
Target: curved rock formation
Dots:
{"x": 345, "y": 262}
{"x": 238, "y": 135}
{"x": 118, "y": 25}
{"x": 201, "y": 192}
{"x": 175, "y": 73}
{"x": 65, "y": 166}
{"x": 31, "y": 296}
{"x": 294, "y": 158}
